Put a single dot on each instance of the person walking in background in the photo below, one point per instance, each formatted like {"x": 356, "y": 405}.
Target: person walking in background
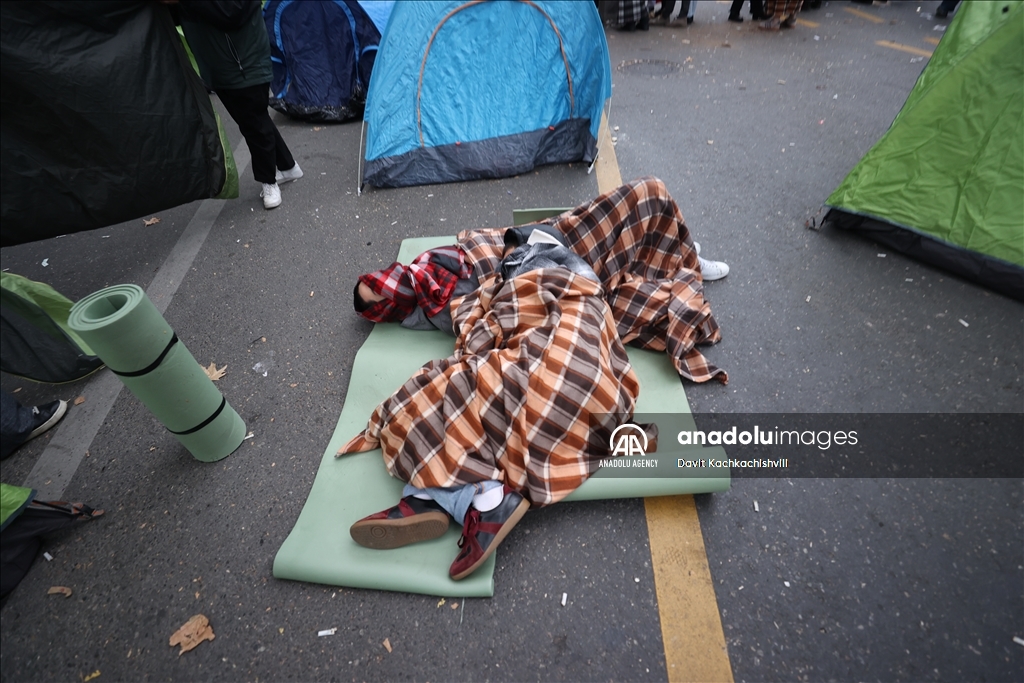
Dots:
{"x": 945, "y": 7}
{"x": 632, "y": 15}
{"x": 756, "y": 10}
{"x": 229, "y": 41}
{"x": 673, "y": 9}
{"x": 780, "y": 14}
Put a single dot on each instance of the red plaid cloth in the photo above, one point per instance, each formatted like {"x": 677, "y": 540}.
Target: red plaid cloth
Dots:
{"x": 636, "y": 240}
{"x": 424, "y": 283}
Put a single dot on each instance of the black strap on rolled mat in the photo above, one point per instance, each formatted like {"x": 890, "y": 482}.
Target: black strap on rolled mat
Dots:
{"x": 152, "y": 366}
{"x": 223, "y": 402}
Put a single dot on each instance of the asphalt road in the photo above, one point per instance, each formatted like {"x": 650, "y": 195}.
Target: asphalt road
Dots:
{"x": 821, "y": 579}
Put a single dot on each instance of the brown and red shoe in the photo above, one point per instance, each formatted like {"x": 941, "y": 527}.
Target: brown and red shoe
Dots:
{"x": 483, "y": 532}
{"x": 411, "y": 521}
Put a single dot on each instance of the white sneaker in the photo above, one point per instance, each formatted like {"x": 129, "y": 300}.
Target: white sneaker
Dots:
{"x": 293, "y": 173}
{"x": 271, "y": 195}
{"x": 712, "y": 270}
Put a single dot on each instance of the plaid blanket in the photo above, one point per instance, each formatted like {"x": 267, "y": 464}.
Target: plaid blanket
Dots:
{"x": 427, "y": 283}
{"x": 638, "y": 244}
{"x": 537, "y": 383}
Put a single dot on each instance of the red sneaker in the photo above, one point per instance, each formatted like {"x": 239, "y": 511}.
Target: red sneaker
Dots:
{"x": 483, "y": 532}
{"x": 411, "y": 521}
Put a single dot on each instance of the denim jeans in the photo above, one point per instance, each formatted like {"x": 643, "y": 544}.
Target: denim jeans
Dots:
{"x": 16, "y": 423}
{"x": 455, "y": 501}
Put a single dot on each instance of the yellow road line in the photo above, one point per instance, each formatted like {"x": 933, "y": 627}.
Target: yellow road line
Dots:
{"x": 903, "y": 48}
{"x": 864, "y": 15}
{"x": 607, "y": 167}
{"x": 691, "y": 625}
{"x": 808, "y": 24}
{"x": 932, "y": 41}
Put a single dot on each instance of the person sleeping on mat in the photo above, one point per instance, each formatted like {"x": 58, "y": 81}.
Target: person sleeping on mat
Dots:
{"x": 519, "y": 416}
{"x": 635, "y": 240}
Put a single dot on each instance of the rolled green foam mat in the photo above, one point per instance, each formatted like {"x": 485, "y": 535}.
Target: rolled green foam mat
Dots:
{"x": 127, "y": 332}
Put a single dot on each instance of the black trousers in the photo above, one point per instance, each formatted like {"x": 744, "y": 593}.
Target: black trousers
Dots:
{"x": 756, "y": 8}
{"x": 248, "y": 107}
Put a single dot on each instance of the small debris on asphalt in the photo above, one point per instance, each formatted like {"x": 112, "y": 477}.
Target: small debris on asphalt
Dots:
{"x": 565, "y": 596}
{"x": 964, "y": 322}
{"x": 59, "y": 590}
{"x": 756, "y": 508}
{"x": 387, "y": 644}
{"x": 327, "y": 632}
{"x": 192, "y": 633}
{"x": 48, "y": 556}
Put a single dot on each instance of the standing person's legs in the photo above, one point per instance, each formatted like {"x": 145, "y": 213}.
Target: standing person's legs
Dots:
{"x": 734, "y": 11}
{"x": 249, "y": 108}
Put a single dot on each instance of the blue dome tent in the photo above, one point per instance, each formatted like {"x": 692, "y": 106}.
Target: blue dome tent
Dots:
{"x": 484, "y": 89}
{"x": 323, "y": 52}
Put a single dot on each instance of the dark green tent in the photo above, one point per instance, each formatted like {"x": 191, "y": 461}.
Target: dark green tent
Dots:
{"x": 945, "y": 184}
{"x": 35, "y": 336}
{"x": 102, "y": 118}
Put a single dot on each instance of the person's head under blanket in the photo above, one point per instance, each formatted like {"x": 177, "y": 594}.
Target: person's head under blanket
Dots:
{"x": 419, "y": 295}
{"x": 633, "y": 238}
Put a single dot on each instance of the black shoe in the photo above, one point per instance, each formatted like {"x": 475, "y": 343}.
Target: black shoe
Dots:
{"x": 48, "y": 416}
{"x": 689, "y": 20}
{"x": 737, "y": 18}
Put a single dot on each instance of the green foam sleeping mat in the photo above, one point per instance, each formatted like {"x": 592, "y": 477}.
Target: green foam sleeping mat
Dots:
{"x": 320, "y": 550}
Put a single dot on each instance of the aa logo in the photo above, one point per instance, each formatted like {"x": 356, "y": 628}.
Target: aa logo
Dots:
{"x": 629, "y": 440}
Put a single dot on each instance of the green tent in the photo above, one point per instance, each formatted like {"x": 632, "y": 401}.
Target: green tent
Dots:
{"x": 945, "y": 184}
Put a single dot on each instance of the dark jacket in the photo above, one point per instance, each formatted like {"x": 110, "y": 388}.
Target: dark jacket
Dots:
{"x": 229, "y": 41}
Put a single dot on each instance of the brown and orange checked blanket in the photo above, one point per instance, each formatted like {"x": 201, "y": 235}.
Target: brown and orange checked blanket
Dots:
{"x": 537, "y": 358}
{"x": 527, "y": 398}
{"x": 636, "y": 240}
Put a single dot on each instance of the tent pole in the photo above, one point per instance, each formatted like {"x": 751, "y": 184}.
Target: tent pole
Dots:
{"x": 359, "y": 180}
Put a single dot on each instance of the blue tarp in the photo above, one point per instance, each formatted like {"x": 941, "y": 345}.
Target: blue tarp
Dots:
{"x": 323, "y": 53}
{"x": 467, "y": 90}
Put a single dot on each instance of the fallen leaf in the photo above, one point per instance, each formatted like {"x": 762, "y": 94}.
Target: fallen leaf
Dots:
{"x": 455, "y": 605}
{"x": 79, "y": 401}
{"x": 387, "y": 644}
{"x": 213, "y": 373}
{"x": 59, "y": 590}
{"x": 91, "y": 676}
{"x": 440, "y": 602}
{"x": 192, "y": 632}
{"x": 150, "y": 221}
